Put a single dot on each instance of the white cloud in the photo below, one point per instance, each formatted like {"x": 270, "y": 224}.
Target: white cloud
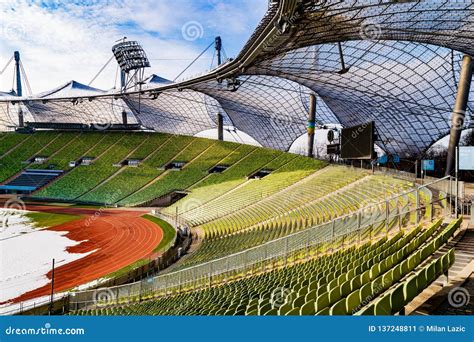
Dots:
{"x": 60, "y": 41}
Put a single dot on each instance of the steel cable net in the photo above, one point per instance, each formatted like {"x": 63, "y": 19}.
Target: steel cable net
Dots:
{"x": 407, "y": 88}
{"x": 272, "y": 110}
{"x": 403, "y": 60}
{"x": 80, "y": 110}
{"x": 185, "y": 112}
{"x": 8, "y": 116}
{"x": 441, "y": 23}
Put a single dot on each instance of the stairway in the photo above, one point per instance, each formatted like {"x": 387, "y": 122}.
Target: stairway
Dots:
{"x": 434, "y": 300}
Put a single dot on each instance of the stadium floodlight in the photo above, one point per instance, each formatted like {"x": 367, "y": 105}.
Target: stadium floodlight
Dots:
{"x": 132, "y": 60}
{"x": 130, "y": 56}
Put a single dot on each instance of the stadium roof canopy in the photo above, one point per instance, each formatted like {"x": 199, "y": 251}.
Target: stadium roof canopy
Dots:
{"x": 70, "y": 89}
{"x": 402, "y": 63}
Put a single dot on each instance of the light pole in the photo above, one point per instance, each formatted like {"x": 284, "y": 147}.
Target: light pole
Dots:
{"x": 50, "y": 311}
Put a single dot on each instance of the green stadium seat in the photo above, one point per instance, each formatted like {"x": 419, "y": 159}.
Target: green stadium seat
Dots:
{"x": 309, "y": 308}
{"x": 334, "y": 295}
{"x": 397, "y": 298}
{"x": 322, "y": 302}
{"x": 353, "y": 301}
{"x": 284, "y": 309}
{"x": 324, "y": 312}
{"x": 339, "y": 308}
{"x": 293, "y": 312}
{"x": 366, "y": 292}
{"x": 382, "y": 306}
{"x": 421, "y": 280}
{"x": 410, "y": 289}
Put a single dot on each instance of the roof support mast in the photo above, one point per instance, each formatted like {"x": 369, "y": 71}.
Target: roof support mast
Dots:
{"x": 311, "y": 124}
{"x": 220, "y": 118}
{"x": 459, "y": 112}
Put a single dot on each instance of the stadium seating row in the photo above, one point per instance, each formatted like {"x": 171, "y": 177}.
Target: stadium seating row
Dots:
{"x": 248, "y": 228}
{"x": 105, "y": 180}
{"x": 378, "y": 278}
{"x": 17, "y": 150}
{"x": 208, "y": 202}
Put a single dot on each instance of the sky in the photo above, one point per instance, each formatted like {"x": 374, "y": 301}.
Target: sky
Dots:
{"x": 66, "y": 40}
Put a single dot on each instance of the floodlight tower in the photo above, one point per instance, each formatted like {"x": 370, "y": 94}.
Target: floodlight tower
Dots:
{"x": 19, "y": 89}
{"x": 220, "y": 118}
{"x": 218, "y": 47}
{"x": 132, "y": 61}
{"x": 16, "y": 56}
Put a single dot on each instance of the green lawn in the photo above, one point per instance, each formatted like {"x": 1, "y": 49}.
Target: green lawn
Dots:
{"x": 41, "y": 220}
{"x": 168, "y": 232}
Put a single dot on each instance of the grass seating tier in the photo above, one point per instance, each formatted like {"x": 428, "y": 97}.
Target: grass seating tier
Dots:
{"x": 199, "y": 156}
{"x": 120, "y": 186}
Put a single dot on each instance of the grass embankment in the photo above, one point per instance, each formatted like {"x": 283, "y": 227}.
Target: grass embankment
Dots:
{"x": 42, "y": 220}
{"x": 168, "y": 232}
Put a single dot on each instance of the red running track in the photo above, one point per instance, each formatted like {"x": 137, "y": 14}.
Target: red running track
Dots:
{"x": 117, "y": 237}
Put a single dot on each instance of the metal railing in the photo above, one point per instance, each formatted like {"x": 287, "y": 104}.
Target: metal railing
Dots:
{"x": 172, "y": 252}
{"x": 366, "y": 223}
{"x": 446, "y": 184}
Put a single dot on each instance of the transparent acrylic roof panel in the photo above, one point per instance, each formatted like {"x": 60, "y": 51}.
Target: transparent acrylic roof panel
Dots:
{"x": 407, "y": 88}
{"x": 398, "y": 76}
{"x": 9, "y": 115}
{"x": 182, "y": 112}
{"x": 272, "y": 110}
{"x": 441, "y": 23}
{"x": 81, "y": 110}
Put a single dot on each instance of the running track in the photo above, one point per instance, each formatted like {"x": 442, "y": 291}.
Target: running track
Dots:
{"x": 118, "y": 237}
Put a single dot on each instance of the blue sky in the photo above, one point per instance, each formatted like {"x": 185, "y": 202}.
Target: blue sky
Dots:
{"x": 64, "y": 40}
